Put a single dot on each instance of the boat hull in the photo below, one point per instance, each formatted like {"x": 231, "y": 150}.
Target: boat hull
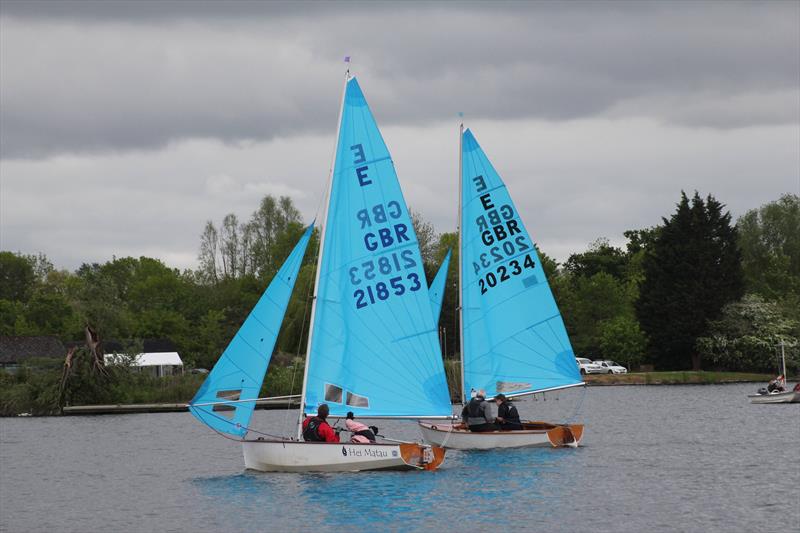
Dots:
{"x": 776, "y": 397}
{"x": 296, "y": 456}
{"x": 534, "y": 434}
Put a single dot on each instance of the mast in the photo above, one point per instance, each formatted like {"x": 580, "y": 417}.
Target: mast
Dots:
{"x": 460, "y": 261}
{"x": 319, "y": 258}
{"x": 783, "y": 361}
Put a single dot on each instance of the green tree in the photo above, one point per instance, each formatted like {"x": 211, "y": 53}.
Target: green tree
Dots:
{"x": 585, "y": 303}
{"x": 17, "y": 277}
{"x": 746, "y": 337}
{"x": 600, "y": 257}
{"x": 692, "y": 269}
{"x": 770, "y": 241}
{"x": 621, "y": 339}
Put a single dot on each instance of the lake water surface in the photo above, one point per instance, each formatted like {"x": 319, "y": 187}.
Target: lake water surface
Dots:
{"x": 654, "y": 458}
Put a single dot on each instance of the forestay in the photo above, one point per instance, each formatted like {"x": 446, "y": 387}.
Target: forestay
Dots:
{"x": 514, "y": 338}
{"x": 438, "y": 286}
{"x": 374, "y": 347}
{"x": 239, "y": 372}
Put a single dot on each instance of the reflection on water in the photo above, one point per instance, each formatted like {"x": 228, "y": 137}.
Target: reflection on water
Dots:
{"x": 697, "y": 458}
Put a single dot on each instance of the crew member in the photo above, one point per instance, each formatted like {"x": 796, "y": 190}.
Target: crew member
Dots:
{"x": 317, "y": 429}
{"x": 361, "y": 432}
{"x": 477, "y": 414}
{"x": 507, "y": 415}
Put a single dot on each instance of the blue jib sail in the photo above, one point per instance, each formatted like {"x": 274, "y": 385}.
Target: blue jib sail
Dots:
{"x": 514, "y": 339}
{"x": 239, "y": 372}
{"x": 374, "y": 348}
{"x": 437, "y": 287}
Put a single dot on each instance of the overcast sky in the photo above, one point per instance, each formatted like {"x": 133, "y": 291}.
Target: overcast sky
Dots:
{"x": 125, "y": 126}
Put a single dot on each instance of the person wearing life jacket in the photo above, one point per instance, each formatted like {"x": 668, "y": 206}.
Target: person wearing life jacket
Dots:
{"x": 317, "y": 429}
{"x": 362, "y": 433}
{"x": 477, "y": 415}
{"x": 507, "y": 415}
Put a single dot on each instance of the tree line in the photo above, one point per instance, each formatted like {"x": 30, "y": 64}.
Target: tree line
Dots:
{"x": 696, "y": 291}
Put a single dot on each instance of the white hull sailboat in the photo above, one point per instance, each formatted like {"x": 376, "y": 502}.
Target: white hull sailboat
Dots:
{"x": 776, "y": 397}
{"x": 372, "y": 345}
{"x": 513, "y": 340}
{"x": 296, "y": 456}
{"x": 457, "y": 437}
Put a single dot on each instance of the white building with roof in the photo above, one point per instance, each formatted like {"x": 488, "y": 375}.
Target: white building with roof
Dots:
{"x": 159, "y": 364}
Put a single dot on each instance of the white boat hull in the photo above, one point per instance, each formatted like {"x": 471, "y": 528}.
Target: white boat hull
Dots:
{"x": 535, "y": 434}
{"x": 296, "y": 456}
{"x": 776, "y": 397}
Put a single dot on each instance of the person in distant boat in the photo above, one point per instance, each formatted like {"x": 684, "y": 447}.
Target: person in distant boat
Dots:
{"x": 776, "y": 385}
{"x": 317, "y": 429}
{"x": 507, "y": 415}
{"x": 362, "y": 433}
{"x": 477, "y": 414}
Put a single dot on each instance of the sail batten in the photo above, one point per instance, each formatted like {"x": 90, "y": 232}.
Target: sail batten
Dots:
{"x": 515, "y": 341}
{"x": 374, "y": 348}
{"x": 236, "y": 379}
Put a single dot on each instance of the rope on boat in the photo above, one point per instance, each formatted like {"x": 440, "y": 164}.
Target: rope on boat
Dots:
{"x": 577, "y": 407}
{"x": 300, "y": 339}
{"x": 249, "y": 429}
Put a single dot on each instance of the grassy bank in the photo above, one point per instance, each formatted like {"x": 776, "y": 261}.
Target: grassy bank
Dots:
{"x": 35, "y": 388}
{"x": 675, "y": 378}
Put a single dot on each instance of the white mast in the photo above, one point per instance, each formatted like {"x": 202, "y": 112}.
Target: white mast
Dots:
{"x": 319, "y": 258}
{"x": 460, "y": 262}
{"x": 783, "y": 361}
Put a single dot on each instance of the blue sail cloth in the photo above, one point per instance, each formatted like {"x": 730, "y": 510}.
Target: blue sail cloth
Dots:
{"x": 240, "y": 370}
{"x": 374, "y": 347}
{"x": 437, "y": 288}
{"x": 514, "y": 338}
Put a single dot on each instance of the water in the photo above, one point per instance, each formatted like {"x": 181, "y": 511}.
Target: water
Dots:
{"x": 679, "y": 458}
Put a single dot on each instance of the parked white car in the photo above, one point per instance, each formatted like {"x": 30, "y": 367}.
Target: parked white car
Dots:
{"x": 586, "y": 366}
{"x": 610, "y": 367}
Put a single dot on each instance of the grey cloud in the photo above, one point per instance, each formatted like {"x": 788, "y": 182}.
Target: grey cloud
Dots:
{"x": 105, "y": 76}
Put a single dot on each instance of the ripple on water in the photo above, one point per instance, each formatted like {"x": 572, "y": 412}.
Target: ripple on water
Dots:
{"x": 686, "y": 458}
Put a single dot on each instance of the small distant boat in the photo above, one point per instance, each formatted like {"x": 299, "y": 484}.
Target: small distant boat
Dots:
{"x": 372, "y": 346}
{"x": 513, "y": 338}
{"x": 778, "y": 396}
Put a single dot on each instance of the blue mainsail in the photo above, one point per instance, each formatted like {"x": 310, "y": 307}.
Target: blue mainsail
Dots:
{"x": 240, "y": 370}
{"x": 374, "y": 346}
{"x": 514, "y": 338}
{"x": 437, "y": 287}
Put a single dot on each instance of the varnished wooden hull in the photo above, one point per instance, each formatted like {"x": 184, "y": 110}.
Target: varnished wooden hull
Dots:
{"x": 534, "y": 434}
{"x": 294, "y": 456}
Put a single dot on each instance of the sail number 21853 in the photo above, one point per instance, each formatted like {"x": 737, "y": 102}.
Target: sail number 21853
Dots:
{"x": 397, "y": 286}
{"x": 504, "y": 273}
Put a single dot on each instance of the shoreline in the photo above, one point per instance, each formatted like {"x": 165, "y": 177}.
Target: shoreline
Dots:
{"x": 688, "y": 377}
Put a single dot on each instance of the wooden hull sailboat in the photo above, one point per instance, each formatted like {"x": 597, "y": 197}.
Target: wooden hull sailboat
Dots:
{"x": 457, "y": 437}
{"x": 296, "y": 456}
{"x": 513, "y": 340}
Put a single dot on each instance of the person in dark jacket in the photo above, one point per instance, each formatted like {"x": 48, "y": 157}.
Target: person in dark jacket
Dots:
{"x": 477, "y": 414}
{"x": 317, "y": 429}
{"x": 507, "y": 415}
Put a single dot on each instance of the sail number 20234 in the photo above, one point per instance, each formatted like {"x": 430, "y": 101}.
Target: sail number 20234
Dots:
{"x": 504, "y": 273}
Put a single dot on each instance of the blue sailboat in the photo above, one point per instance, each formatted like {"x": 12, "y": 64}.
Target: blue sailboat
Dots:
{"x": 372, "y": 349}
{"x": 512, "y": 335}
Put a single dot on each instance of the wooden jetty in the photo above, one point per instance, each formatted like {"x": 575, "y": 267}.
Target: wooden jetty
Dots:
{"x": 119, "y": 409}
